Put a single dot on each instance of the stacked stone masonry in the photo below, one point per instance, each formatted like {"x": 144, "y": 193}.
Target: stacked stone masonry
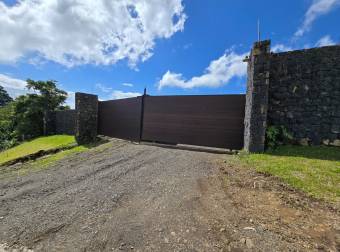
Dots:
{"x": 257, "y": 97}
{"x": 304, "y": 94}
{"x": 60, "y": 122}
{"x": 86, "y": 118}
{"x": 65, "y": 122}
{"x": 299, "y": 90}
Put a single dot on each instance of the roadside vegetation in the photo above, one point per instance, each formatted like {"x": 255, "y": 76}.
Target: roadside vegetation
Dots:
{"x": 47, "y": 161}
{"x": 26, "y": 116}
{"x": 40, "y": 164}
{"x": 312, "y": 169}
{"x": 38, "y": 144}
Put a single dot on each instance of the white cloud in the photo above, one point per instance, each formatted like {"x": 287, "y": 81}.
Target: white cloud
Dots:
{"x": 103, "y": 88}
{"x": 218, "y": 73}
{"x": 9, "y": 82}
{"x": 127, "y": 84}
{"x": 75, "y": 32}
{"x": 281, "y": 48}
{"x": 14, "y": 87}
{"x": 325, "y": 41}
{"x": 118, "y": 94}
{"x": 70, "y": 101}
{"x": 318, "y": 8}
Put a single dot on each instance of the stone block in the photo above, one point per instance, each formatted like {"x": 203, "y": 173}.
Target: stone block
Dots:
{"x": 304, "y": 141}
{"x": 326, "y": 142}
{"x": 335, "y": 129}
{"x": 86, "y": 118}
{"x": 336, "y": 143}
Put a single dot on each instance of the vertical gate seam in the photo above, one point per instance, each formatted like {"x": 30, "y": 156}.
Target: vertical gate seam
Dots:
{"x": 142, "y": 116}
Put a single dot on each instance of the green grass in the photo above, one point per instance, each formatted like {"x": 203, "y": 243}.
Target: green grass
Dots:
{"x": 50, "y": 160}
{"x": 42, "y": 163}
{"x": 315, "y": 170}
{"x": 41, "y": 143}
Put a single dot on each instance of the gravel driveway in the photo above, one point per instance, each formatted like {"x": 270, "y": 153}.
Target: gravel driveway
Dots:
{"x": 124, "y": 197}
{"x": 130, "y": 197}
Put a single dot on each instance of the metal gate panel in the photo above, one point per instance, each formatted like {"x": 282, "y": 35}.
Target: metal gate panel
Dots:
{"x": 120, "y": 118}
{"x": 206, "y": 120}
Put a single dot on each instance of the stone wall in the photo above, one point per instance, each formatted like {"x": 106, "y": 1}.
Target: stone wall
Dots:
{"x": 60, "y": 122}
{"x": 304, "y": 94}
{"x": 49, "y": 123}
{"x": 299, "y": 90}
{"x": 257, "y": 97}
{"x": 65, "y": 122}
{"x": 86, "y": 118}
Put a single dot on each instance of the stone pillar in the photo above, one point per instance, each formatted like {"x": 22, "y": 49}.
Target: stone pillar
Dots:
{"x": 255, "y": 121}
{"x": 86, "y": 118}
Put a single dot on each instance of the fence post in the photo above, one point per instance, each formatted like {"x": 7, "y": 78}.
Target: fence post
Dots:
{"x": 142, "y": 116}
{"x": 255, "y": 121}
{"x": 86, "y": 118}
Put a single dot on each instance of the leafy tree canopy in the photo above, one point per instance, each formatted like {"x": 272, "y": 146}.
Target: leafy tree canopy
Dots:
{"x": 32, "y": 109}
{"x": 4, "y": 97}
{"x": 51, "y": 97}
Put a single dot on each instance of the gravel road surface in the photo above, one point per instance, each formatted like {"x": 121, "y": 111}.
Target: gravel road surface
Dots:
{"x": 129, "y": 197}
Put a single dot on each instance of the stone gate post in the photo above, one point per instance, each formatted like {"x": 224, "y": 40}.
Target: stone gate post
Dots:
{"x": 255, "y": 121}
{"x": 86, "y": 118}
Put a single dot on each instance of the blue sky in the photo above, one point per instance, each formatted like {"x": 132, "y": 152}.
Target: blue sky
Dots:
{"x": 170, "y": 47}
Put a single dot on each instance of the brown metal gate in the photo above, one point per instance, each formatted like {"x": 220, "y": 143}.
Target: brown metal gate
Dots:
{"x": 120, "y": 118}
{"x": 206, "y": 120}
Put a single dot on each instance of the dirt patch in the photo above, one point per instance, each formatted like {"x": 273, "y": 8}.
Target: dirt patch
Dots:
{"x": 143, "y": 198}
{"x": 274, "y": 207}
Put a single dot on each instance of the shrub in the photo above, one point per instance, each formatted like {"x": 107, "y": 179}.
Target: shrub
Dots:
{"x": 277, "y": 135}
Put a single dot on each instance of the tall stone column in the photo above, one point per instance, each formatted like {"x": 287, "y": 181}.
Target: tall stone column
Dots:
{"x": 86, "y": 118}
{"x": 255, "y": 122}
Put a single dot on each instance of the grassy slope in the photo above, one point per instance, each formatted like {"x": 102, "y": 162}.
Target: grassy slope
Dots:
{"x": 41, "y": 143}
{"x": 315, "y": 170}
{"x": 50, "y": 160}
{"x": 45, "y": 162}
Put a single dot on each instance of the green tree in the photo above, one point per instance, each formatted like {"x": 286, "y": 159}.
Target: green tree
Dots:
{"x": 7, "y": 132}
{"x": 4, "y": 97}
{"x": 51, "y": 97}
{"x": 28, "y": 116}
{"x": 32, "y": 110}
